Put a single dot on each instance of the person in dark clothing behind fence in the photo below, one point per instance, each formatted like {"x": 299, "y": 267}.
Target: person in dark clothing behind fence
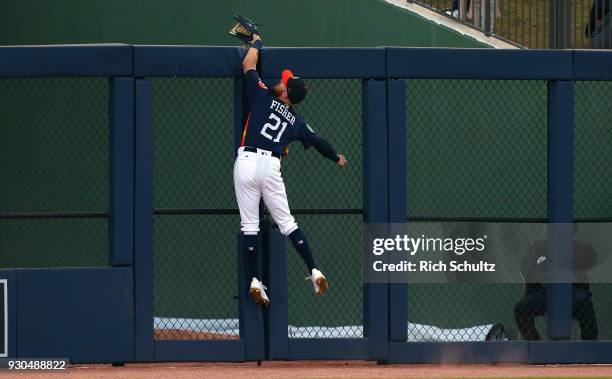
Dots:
{"x": 456, "y": 4}
{"x": 454, "y": 11}
{"x": 600, "y": 9}
{"x": 534, "y": 269}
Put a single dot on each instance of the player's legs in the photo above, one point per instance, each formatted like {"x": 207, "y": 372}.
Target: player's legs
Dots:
{"x": 275, "y": 198}
{"x": 584, "y": 312}
{"x": 248, "y": 194}
{"x": 247, "y": 185}
{"x": 525, "y": 312}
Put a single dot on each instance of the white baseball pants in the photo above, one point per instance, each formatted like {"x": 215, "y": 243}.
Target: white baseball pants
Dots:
{"x": 256, "y": 175}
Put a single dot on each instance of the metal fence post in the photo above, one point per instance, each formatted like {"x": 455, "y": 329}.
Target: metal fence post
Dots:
{"x": 375, "y": 198}
{"x": 565, "y": 14}
{"x": 486, "y": 16}
{"x": 477, "y": 14}
{"x": 559, "y": 24}
{"x": 560, "y": 206}
{"x": 143, "y": 221}
{"x": 121, "y": 228}
{"x": 462, "y": 9}
{"x": 396, "y": 129}
{"x": 553, "y": 24}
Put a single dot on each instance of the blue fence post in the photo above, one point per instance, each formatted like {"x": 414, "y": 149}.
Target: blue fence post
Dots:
{"x": 396, "y": 126}
{"x": 250, "y": 314}
{"x": 375, "y": 199}
{"x": 121, "y": 227}
{"x": 278, "y": 312}
{"x": 560, "y": 206}
{"x": 143, "y": 220}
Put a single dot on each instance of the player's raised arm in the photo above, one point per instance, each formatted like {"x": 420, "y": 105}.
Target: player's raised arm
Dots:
{"x": 250, "y": 59}
{"x": 255, "y": 88}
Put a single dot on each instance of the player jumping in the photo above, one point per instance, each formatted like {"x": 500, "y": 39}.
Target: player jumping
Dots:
{"x": 271, "y": 125}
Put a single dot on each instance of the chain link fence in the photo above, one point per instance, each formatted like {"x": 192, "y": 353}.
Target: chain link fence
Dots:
{"x": 468, "y": 158}
{"x": 327, "y": 204}
{"x": 196, "y": 217}
{"x": 54, "y": 164}
{"x": 593, "y": 182}
{"x": 528, "y": 23}
{"x": 476, "y": 151}
{"x": 593, "y": 199}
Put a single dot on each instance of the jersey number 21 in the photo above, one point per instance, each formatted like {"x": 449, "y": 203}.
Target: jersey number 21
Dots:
{"x": 273, "y": 126}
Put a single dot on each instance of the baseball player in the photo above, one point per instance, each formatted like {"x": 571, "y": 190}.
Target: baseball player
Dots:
{"x": 271, "y": 125}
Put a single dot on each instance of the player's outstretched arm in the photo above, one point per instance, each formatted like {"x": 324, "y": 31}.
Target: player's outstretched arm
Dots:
{"x": 310, "y": 138}
{"x": 327, "y": 150}
{"x": 250, "y": 59}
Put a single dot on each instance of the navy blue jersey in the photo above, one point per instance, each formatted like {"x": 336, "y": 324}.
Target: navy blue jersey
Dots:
{"x": 271, "y": 124}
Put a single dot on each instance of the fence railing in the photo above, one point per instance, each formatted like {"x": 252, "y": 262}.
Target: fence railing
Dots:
{"x": 420, "y": 151}
{"x": 535, "y": 24}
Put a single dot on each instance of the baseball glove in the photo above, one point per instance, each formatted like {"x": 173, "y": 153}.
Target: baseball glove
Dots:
{"x": 243, "y": 28}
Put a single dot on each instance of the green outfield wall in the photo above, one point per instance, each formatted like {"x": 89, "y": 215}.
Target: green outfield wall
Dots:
{"x": 206, "y": 22}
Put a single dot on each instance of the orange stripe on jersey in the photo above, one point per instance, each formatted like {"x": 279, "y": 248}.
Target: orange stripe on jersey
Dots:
{"x": 244, "y": 131}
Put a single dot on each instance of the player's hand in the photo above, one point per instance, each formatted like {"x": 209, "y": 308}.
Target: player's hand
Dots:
{"x": 342, "y": 160}
{"x": 256, "y": 37}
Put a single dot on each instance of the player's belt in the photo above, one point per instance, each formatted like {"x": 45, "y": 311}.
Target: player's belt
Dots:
{"x": 254, "y": 150}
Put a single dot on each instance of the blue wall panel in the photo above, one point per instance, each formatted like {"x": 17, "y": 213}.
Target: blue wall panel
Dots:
{"x": 375, "y": 208}
{"x": 560, "y": 206}
{"x": 277, "y": 313}
{"x": 329, "y": 348}
{"x": 592, "y": 64}
{"x": 570, "y": 352}
{"x": 223, "y": 62}
{"x": 66, "y": 60}
{"x": 86, "y": 315}
{"x": 396, "y": 145}
{"x": 199, "y": 350}
{"x": 211, "y": 61}
{"x": 324, "y": 62}
{"x": 459, "y": 352}
{"x": 478, "y": 63}
{"x": 121, "y": 117}
{"x": 251, "y": 317}
{"x": 143, "y": 221}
